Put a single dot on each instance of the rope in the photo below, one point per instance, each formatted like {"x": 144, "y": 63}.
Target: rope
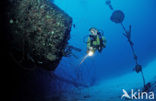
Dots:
{"x": 108, "y": 2}
{"x": 143, "y": 78}
{"x": 138, "y": 67}
{"x": 127, "y": 34}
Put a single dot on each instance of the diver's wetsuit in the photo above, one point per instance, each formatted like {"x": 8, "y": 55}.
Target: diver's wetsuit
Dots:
{"x": 99, "y": 42}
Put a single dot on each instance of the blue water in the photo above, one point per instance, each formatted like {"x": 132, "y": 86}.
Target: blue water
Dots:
{"x": 105, "y": 73}
{"x": 116, "y": 59}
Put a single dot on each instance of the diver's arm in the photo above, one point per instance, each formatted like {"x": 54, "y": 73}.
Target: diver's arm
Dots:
{"x": 88, "y": 43}
{"x": 104, "y": 41}
{"x": 98, "y": 40}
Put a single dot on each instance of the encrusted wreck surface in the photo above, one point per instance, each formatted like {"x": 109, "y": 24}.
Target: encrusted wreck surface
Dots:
{"x": 38, "y": 33}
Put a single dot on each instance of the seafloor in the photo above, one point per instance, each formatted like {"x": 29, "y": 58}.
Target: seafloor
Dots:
{"x": 111, "y": 90}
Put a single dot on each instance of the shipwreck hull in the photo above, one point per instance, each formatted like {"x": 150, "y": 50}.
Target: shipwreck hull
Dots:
{"x": 38, "y": 32}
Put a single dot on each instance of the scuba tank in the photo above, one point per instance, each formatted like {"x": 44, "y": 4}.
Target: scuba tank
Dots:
{"x": 100, "y": 33}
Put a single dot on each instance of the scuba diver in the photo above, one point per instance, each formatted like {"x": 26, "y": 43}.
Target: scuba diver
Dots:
{"x": 96, "y": 41}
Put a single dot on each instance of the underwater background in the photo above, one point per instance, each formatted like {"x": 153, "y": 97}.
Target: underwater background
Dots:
{"x": 102, "y": 76}
{"x": 116, "y": 59}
